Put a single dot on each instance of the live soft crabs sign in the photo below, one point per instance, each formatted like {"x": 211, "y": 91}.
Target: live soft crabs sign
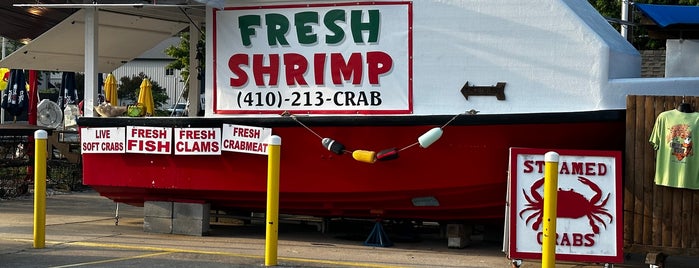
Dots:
{"x": 313, "y": 58}
{"x": 589, "y": 223}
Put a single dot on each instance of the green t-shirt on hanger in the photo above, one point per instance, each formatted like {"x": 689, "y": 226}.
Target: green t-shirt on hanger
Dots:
{"x": 673, "y": 139}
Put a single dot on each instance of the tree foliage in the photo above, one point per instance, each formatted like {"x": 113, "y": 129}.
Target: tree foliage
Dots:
{"x": 181, "y": 55}
{"x": 129, "y": 87}
{"x": 12, "y": 46}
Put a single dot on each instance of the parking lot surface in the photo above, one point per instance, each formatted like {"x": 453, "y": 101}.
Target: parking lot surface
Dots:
{"x": 81, "y": 231}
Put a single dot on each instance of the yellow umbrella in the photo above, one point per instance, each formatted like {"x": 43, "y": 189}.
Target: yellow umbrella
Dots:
{"x": 5, "y": 75}
{"x": 110, "y": 90}
{"x": 145, "y": 96}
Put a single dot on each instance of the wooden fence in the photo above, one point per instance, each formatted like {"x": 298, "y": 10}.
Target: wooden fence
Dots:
{"x": 656, "y": 218}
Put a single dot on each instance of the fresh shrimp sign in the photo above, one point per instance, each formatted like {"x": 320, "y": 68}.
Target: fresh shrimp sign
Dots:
{"x": 313, "y": 58}
{"x": 589, "y": 224}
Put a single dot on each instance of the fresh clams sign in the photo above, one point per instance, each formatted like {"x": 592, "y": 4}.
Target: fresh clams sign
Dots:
{"x": 313, "y": 58}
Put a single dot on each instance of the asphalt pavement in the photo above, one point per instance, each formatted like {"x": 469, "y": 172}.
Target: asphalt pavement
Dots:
{"x": 82, "y": 231}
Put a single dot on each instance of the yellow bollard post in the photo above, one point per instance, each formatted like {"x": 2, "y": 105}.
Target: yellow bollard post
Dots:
{"x": 272, "y": 214}
{"x": 40, "y": 138}
{"x": 548, "y": 251}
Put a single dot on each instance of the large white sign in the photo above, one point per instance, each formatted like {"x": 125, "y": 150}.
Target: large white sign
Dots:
{"x": 148, "y": 140}
{"x": 589, "y": 223}
{"x": 102, "y": 140}
{"x": 245, "y": 139}
{"x": 313, "y": 58}
{"x": 197, "y": 141}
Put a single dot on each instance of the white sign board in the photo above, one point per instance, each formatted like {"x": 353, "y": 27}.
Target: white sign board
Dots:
{"x": 102, "y": 140}
{"x": 148, "y": 140}
{"x": 349, "y": 57}
{"x": 245, "y": 139}
{"x": 197, "y": 141}
{"x": 589, "y": 223}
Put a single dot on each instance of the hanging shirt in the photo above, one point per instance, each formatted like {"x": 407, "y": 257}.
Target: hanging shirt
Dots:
{"x": 673, "y": 137}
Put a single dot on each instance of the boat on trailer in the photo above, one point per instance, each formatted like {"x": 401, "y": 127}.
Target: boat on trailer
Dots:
{"x": 377, "y": 77}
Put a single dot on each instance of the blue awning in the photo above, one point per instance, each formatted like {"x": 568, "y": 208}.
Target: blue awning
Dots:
{"x": 666, "y": 15}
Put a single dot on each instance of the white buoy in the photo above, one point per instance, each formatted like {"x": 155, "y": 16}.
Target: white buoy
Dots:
{"x": 430, "y": 137}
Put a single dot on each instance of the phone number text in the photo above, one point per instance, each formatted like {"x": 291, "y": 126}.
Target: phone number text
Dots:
{"x": 279, "y": 99}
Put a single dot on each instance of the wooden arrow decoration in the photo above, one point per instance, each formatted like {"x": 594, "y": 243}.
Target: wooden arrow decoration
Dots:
{"x": 498, "y": 90}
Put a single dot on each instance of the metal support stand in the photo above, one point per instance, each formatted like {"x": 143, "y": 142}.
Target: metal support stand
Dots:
{"x": 378, "y": 237}
{"x": 116, "y": 215}
{"x": 516, "y": 263}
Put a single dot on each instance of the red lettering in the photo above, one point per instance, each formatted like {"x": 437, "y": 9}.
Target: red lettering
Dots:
{"x": 564, "y": 168}
{"x": 163, "y": 146}
{"x": 590, "y": 169}
{"x": 577, "y": 239}
{"x": 234, "y": 65}
{"x": 540, "y": 164}
{"x": 197, "y": 146}
{"x": 577, "y": 168}
{"x": 601, "y": 169}
{"x": 246, "y": 132}
{"x": 131, "y": 144}
{"x": 89, "y": 146}
{"x": 378, "y": 63}
{"x": 528, "y": 168}
{"x": 319, "y": 68}
{"x": 583, "y": 168}
{"x": 590, "y": 238}
{"x": 196, "y": 134}
{"x": 296, "y": 66}
{"x": 180, "y": 146}
{"x": 148, "y": 146}
{"x": 565, "y": 241}
{"x": 149, "y": 133}
{"x": 266, "y": 68}
{"x": 259, "y": 69}
{"x": 102, "y": 134}
{"x": 341, "y": 70}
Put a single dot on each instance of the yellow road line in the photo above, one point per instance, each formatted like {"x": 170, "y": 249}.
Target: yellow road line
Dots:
{"x": 112, "y": 260}
{"x": 162, "y": 250}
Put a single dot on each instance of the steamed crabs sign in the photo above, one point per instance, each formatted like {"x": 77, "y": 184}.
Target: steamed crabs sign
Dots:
{"x": 589, "y": 224}
{"x": 313, "y": 58}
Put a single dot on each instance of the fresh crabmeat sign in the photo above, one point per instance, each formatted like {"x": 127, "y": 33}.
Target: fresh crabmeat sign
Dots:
{"x": 245, "y": 139}
{"x": 589, "y": 224}
{"x": 313, "y": 58}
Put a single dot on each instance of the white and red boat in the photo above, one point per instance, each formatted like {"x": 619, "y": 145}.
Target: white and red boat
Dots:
{"x": 377, "y": 75}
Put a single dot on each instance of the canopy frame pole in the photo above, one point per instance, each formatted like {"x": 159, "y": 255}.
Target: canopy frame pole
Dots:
{"x": 91, "y": 54}
{"x": 193, "y": 84}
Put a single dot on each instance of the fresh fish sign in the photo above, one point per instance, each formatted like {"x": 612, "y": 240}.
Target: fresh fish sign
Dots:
{"x": 589, "y": 224}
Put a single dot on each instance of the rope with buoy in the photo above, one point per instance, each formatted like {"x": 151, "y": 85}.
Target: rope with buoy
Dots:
{"x": 366, "y": 156}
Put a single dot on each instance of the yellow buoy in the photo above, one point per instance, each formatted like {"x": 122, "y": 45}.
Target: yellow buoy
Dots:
{"x": 364, "y": 156}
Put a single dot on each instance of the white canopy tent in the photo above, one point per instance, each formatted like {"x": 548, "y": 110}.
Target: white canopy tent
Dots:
{"x": 100, "y": 38}
{"x": 122, "y": 37}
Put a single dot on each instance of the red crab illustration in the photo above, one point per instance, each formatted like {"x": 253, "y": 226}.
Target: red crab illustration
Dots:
{"x": 571, "y": 204}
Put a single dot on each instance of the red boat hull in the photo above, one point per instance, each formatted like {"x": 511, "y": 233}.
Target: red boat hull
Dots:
{"x": 462, "y": 176}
